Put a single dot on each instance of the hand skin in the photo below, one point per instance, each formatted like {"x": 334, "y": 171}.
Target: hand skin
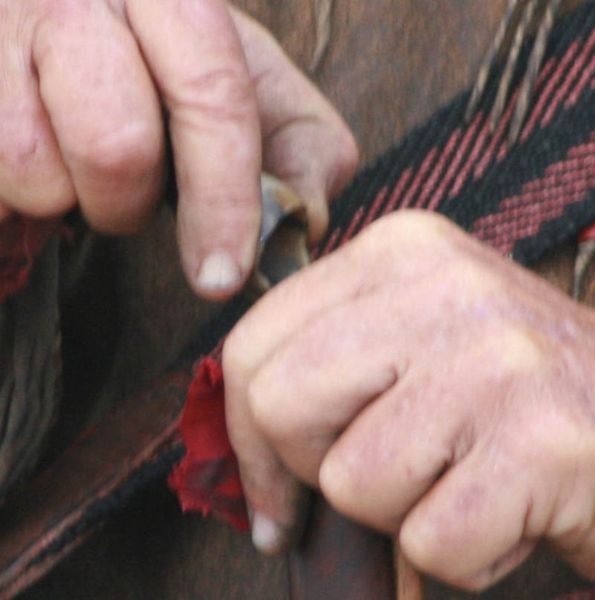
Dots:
{"x": 84, "y": 85}
{"x": 432, "y": 390}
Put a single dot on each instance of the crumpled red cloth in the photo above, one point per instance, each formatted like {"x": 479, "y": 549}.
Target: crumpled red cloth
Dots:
{"x": 207, "y": 480}
{"x": 21, "y": 240}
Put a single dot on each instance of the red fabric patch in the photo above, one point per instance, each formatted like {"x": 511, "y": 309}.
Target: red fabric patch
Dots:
{"x": 21, "y": 240}
{"x": 208, "y": 480}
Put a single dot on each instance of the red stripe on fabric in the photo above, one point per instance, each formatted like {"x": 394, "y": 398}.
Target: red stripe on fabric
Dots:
{"x": 544, "y": 97}
{"x": 355, "y": 221}
{"x": 498, "y": 235}
{"x": 378, "y": 201}
{"x": 334, "y": 238}
{"x": 563, "y": 183}
{"x": 564, "y": 173}
{"x": 439, "y": 167}
{"x": 527, "y": 216}
{"x": 420, "y": 176}
{"x": 496, "y": 146}
{"x": 571, "y": 75}
{"x": 458, "y": 158}
{"x": 533, "y": 204}
{"x": 504, "y": 146}
{"x": 482, "y": 137}
{"x": 398, "y": 190}
{"x": 332, "y": 242}
{"x": 586, "y": 77}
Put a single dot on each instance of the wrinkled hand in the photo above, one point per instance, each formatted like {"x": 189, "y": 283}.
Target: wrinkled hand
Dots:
{"x": 83, "y": 88}
{"x": 432, "y": 390}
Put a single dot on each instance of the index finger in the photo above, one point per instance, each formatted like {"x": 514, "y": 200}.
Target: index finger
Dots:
{"x": 195, "y": 56}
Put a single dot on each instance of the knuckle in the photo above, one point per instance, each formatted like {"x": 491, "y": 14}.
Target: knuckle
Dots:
{"x": 263, "y": 410}
{"x": 437, "y": 562}
{"x": 429, "y": 546}
{"x": 119, "y": 151}
{"x": 518, "y": 350}
{"x": 278, "y": 420}
{"x": 571, "y": 535}
{"x": 573, "y": 525}
{"x": 418, "y": 549}
{"x": 419, "y": 224}
{"x": 339, "y": 483}
{"x": 372, "y": 241}
{"x": 552, "y": 446}
{"x": 410, "y": 227}
{"x": 224, "y": 94}
{"x": 470, "y": 285}
{"x": 259, "y": 406}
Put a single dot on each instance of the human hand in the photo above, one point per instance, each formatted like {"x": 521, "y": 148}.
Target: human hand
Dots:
{"x": 83, "y": 88}
{"x": 432, "y": 390}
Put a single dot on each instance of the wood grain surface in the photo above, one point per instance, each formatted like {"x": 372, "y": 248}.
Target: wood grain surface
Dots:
{"x": 387, "y": 66}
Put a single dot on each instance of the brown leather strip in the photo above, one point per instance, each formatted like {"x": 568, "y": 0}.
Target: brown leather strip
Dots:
{"x": 45, "y": 520}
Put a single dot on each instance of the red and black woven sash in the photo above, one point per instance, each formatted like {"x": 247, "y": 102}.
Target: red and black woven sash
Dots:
{"x": 524, "y": 201}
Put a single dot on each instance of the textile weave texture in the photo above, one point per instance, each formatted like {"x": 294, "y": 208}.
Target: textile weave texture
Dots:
{"x": 522, "y": 200}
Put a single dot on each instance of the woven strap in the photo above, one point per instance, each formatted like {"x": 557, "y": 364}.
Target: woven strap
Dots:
{"x": 523, "y": 201}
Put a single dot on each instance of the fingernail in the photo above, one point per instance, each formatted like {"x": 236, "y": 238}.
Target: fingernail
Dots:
{"x": 267, "y": 536}
{"x": 218, "y": 272}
